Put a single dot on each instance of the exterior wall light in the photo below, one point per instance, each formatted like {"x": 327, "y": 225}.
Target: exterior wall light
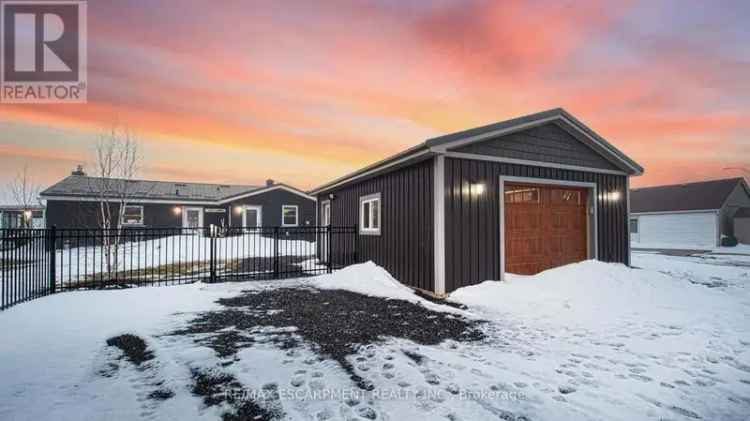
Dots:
{"x": 238, "y": 210}
{"x": 477, "y": 188}
{"x": 331, "y": 196}
{"x": 27, "y": 214}
{"x": 613, "y": 196}
{"x": 177, "y": 210}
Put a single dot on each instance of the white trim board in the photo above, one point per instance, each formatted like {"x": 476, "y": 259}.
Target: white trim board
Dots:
{"x": 591, "y": 226}
{"x": 439, "y": 224}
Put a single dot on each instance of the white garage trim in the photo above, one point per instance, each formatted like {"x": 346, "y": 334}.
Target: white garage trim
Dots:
{"x": 591, "y": 213}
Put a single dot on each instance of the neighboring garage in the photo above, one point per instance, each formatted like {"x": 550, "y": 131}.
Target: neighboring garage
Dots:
{"x": 687, "y": 215}
{"x": 519, "y": 196}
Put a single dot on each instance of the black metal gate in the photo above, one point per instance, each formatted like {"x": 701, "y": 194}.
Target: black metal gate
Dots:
{"x": 38, "y": 262}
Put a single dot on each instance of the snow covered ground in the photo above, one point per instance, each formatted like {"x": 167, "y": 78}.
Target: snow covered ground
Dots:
{"x": 739, "y": 248}
{"x": 586, "y": 341}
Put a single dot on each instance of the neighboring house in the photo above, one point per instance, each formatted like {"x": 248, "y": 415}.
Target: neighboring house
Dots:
{"x": 691, "y": 214}
{"x": 519, "y": 196}
{"x": 75, "y": 201}
{"x": 742, "y": 225}
{"x": 19, "y": 217}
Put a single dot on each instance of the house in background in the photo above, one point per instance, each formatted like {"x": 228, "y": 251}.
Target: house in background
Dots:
{"x": 21, "y": 217}
{"x": 519, "y": 196}
{"x": 75, "y": 201}
{"x": 742, "y": 225}
{"x": 691, "y": 214}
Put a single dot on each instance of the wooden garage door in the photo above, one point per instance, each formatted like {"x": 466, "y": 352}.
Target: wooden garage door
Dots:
{"x": 545, "y": 227}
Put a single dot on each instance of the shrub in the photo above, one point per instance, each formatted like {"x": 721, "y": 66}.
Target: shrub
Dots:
{"x": 728, "y": 241}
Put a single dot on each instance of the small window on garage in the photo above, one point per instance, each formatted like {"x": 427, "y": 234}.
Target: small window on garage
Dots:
{"x": 369, "y": 214}
{"x": 522, "y": 195}
{"x": 133, "y": 215}
{"x": 566, "y": 197}
{"x": 289, "y": 216}
{"x": 634, "y": 226}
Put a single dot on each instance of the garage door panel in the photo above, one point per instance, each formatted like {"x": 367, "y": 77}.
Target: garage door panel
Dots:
{"x": 545, "y": 227}
{"x": 687, "y": 229}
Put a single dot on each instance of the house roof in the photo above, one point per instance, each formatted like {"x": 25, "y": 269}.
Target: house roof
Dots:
{"x": 440, "y": 144}
{"x": 703, "y": 195}
{"x": 80, "y": 186}
{"x": 19, "y": 208}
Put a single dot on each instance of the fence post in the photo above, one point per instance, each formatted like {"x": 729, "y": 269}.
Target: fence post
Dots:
{"x": 212, "y": 259}
{"x": 330, "y": 249}
{"x": 356, "y": 244}
{"x": 276, "y": 252}
{"x": 52, "y": 247}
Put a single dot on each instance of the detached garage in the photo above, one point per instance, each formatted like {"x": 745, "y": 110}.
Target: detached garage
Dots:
{"x": 691, "y": 215}
{"x": 519, "y": 196}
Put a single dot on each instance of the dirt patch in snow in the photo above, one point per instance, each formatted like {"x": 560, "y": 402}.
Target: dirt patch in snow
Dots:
{"x": 218, "y": 388}
{"x": 133, "y": 347}
{"x": 335, "y": 322}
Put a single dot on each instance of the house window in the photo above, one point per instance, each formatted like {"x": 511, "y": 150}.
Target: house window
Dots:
{"x": 522, "y": 195}
{"x": 369, "y": 214}
{"x": 634, "y": 226}
{"x": 133, "y": 215}
{"x": 289, "y": 215}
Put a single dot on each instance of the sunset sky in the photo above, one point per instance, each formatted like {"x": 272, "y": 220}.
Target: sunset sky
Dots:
{"x": 302, "y": 92}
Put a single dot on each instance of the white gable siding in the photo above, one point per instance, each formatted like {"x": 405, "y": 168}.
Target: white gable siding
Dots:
{"x": 679, "y": 229}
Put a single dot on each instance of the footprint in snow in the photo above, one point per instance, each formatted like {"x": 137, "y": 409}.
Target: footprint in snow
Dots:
{"x": 642, "y": 378}
{"x": 566, "y": 390}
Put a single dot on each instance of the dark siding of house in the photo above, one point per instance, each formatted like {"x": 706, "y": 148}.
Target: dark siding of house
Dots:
{"x": 472, "y": 223}
{"x": 547, "y": 143}
{"x": 79, "y": 214}
{"x": 271, "y": 203}
{"x": 405, "y": 246}
{"x": 737, "y": 200}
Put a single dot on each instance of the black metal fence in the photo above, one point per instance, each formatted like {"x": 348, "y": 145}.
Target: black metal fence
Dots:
{"x": 38, "y": 262}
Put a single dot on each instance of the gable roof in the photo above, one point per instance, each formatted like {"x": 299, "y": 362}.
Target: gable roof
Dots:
{"x": 82, "y": 187}
{"x": 442, "y": 144}
{"x": 702, "y": 195}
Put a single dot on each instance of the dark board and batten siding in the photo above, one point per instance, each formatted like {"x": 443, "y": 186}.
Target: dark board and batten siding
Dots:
{"x": 405, "y": 246}
{"x": 548, "y": 143}
{"x": 472, "y": 222}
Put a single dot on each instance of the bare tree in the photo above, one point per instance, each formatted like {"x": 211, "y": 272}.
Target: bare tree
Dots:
{"x": 25, "y": 194}
{"x": 117, "y": 161}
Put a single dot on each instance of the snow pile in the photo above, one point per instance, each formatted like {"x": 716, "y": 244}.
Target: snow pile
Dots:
{"x": 593, "y": 294}
{"x": 367, "y": 279}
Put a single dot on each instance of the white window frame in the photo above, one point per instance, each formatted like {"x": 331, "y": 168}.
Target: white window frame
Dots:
{"x": 122, "y": 216}
{"x": 296, "y": 215}
{"x": 370, "y": 198}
